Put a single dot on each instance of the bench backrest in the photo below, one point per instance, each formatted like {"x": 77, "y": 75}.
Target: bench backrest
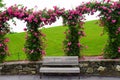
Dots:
{"x": 60, "y": 61}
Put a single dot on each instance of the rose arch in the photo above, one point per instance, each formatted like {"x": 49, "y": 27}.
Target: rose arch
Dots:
{"x": 109, "y": 19}
{"x": 34, "y": 48}
{"x": 33, "y": 43}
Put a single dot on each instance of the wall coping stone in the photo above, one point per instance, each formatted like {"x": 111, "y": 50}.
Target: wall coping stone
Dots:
{"x": 20, "y": 62}
{"x": 99, "y": 60}
{"x": 39, "y": 62}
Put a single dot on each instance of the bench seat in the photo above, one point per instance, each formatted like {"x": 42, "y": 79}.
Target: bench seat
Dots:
{"x": 60, "y": 65}
{"x": 60, "y": 70}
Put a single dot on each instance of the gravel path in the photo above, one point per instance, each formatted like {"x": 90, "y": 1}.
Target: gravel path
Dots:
{"x": 36, "y": 77}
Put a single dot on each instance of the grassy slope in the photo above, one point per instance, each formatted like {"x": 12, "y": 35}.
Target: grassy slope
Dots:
{"x": 16, "y": 46}
{"x": 54, "y": 37}
{"x": 93, "y": 40}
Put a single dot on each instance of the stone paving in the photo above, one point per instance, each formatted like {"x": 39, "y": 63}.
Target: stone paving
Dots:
{"x": 36, "y": 77}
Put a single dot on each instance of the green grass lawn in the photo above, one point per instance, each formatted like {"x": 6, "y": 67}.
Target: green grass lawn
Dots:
{"x": 55, "y": 37}
{"x": 93, "y": 39}
{"x": 16, "y": 45}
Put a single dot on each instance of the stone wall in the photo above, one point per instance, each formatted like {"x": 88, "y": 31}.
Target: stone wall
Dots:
{"x": 100, "y": 67}
{"x": 91, "y": 67}
{"x": 22, "y": 67}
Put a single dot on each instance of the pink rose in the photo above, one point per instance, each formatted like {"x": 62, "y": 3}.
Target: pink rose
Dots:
{"x": 25, "y": 29}
{"x": 24, "y": 49}
{"x": 118, "y": 47}
{"x": 1, "y": 45}
{"x": 10, "y": 11}
{"x": 69, "y": 43}
{"x": 35, "y": 34}
{"x": 55, "y": 7}
{"x": 6, "y": 40}
{"x": 70, "y": 17}
{"x": 35, "y": 20}
{"x": 109, "y": 18}
{"x": 113, "y": 21}
{"x": 43, "y": 52}
{"x": 86, "y": 47}
{"x": 119, "y": 29}
{"x": 68, "y": 31}
{"x": 78, "y": 44}
{"x": 119, "y": 50}
{"x": 118, "y": 12}
{"x": 6, "y": 48}
{"x": 64, "y": 32}
{"x": 43, "y": 19}
{"x": 79, "y": 32}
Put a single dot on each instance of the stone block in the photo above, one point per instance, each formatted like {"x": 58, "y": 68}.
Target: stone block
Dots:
{"x": 32, "y": 69}
{"x": 89, "y": 70}
{"x": 18, "y": 67}
{"x": 33, "y": 72}
{"x": 20, "y": 70}
{"x": 118, "y": 67}
{"x": 101, "y": 68}
{"x": 14, "y": 71}
{"x": 1, "y": 67}
{"x": 84, "y": 64}
{"x": 26, "y": 69}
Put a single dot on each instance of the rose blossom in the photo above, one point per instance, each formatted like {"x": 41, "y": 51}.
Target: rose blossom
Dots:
{"x": 69, "y": 43}
{"x": 119, "y": 50}
{"x": 6, "y": 40}
{"x": 1, "y": 45}
{"x": 43, "y": 52}
{"x": 113, "y": 21}
{"x": 25, "y": 29}
{"x": 78, "y": 44}
{"x": 79, "y": 32}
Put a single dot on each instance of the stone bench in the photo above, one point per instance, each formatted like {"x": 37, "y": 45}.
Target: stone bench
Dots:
{"x": 63, "y": 64}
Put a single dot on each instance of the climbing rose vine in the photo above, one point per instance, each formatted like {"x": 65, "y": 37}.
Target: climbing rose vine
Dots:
{"x": 111, "y": 21}
{"x": 72, "y": 46}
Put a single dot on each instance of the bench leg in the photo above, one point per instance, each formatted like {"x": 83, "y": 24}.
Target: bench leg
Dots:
{"x": 41, "y": 75}
{"x": 79, "y": 75}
